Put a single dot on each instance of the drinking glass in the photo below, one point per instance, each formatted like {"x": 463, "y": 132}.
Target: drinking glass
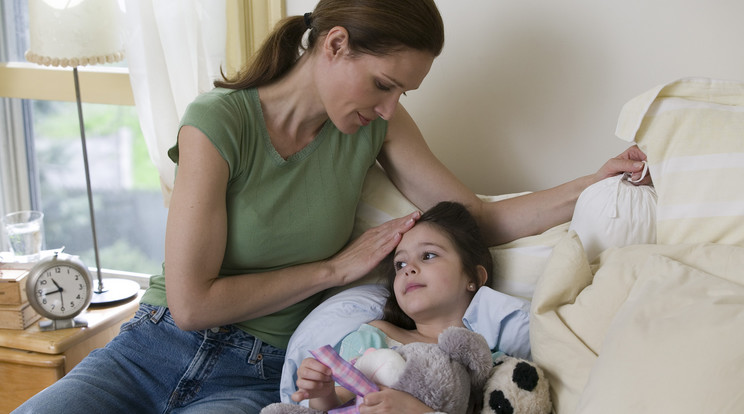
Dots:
{"x": 25, "y": 231}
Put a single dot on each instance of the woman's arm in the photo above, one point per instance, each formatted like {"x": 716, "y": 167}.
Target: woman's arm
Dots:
{"x": 422, "y": 178}
{"x": 536, "y": 212}
{"x": 195, "y": 245}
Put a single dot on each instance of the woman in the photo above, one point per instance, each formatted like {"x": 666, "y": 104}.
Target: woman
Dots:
{"x": 270, "y": 168}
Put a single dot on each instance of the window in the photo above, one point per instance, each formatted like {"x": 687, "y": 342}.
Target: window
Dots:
{"x": 42, "y": 165}
{"x": 129, "y": 212}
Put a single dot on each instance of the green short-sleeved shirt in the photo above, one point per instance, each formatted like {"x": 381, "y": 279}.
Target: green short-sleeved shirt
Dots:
{"x": 280, "y": 212}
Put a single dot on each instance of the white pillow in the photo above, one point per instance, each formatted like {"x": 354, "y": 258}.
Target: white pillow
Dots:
{"x": 518, "y": 265}
{"x": 675, "y": 346}
{"x": 614, "y": 213}
{"x": 691, "y": 131}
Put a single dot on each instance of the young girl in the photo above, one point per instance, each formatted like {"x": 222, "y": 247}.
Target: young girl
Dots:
{"x": 437, "y": 269}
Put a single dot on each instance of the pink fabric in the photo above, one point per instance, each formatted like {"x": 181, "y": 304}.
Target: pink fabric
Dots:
{"x": 345, "y": 374}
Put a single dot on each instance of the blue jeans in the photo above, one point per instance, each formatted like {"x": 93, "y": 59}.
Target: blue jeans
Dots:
{"x": 152, "y": 366}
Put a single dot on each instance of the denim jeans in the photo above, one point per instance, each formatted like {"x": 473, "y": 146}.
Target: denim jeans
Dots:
{"x": 152, "y": 366}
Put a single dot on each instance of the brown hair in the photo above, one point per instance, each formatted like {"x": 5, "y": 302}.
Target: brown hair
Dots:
{"x": 454, "y": 220}
{"x": 376, "y": 27}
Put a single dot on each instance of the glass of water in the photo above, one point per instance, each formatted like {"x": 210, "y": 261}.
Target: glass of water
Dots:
{"x": 25, "y": 231}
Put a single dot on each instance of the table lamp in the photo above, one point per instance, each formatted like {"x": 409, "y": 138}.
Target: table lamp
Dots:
{"x": 72, "y": 33}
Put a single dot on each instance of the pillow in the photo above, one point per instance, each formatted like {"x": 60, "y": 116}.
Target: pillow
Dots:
{"x": 674, "y": 346}
{"x": 328, "y": 323}
{"x": 518, "y": 265}
{"x": 691, "y": 131}
{"x": 614, "y": 213}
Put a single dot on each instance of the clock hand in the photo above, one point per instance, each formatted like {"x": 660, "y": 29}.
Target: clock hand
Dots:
{"x": 58, "y": 286}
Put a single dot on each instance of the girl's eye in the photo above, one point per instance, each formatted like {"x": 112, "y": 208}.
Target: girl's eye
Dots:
{"x": 399, "y": 265}
{"x": 429, "y": 256}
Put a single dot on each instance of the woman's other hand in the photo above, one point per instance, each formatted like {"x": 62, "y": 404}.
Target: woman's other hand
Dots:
{"x": 631, "y": 162}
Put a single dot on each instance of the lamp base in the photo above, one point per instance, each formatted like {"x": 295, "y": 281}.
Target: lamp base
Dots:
{"x": 114, "y": 290}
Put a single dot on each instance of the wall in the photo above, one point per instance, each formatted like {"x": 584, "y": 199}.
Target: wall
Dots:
{"x": 526, "y": 93}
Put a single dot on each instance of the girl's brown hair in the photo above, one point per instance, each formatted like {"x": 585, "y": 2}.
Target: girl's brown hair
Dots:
{"x": 454, "y": 220}
{"x": 376, "y": 27}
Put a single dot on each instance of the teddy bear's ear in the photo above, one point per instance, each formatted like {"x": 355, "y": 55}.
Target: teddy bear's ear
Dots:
{"x": 469, "y": 349}
{"x": 525, "y": 376}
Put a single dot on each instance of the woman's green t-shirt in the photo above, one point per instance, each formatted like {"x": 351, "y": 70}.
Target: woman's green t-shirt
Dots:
{"x": 280, "y": 212}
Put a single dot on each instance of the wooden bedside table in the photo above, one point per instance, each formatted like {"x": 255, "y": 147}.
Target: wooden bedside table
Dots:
{"x": 31, "y": 360}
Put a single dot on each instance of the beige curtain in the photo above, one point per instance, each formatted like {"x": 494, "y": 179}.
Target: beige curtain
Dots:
{"x": 248, "y": 23}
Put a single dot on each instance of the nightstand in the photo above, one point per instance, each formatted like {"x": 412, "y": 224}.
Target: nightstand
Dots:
{"x": 31, "y": 360}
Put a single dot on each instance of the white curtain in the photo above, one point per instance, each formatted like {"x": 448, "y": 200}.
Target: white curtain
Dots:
{"x": 175, "y": 49}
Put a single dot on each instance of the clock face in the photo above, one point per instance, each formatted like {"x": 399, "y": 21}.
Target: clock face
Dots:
{"x": 61, "y": 291}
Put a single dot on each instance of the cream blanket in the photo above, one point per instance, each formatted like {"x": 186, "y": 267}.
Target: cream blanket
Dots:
{"x": 644, "y": 329}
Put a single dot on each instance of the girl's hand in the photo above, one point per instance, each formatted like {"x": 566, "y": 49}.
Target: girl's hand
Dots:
{"x": 627, "y": 162}
{"x": 314, "y": 380}
{"x": 389, "y": 400}
{"x": 366, "y": 252}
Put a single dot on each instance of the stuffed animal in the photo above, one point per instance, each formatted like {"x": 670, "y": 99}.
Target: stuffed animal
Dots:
{"x": 516, "y": 386}
{"x": 440, "y": 375}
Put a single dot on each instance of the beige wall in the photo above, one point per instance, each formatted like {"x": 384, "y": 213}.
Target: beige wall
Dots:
{"x": 526, "y": 93}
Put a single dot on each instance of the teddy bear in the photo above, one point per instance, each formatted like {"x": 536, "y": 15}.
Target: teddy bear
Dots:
{"x": 441, "y": 375}
{"x": 516, "y": 386}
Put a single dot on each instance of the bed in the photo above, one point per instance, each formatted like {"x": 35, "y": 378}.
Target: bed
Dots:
{"x": 637, "y": 304}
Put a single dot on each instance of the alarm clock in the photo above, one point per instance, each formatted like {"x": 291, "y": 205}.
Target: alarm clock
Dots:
{"x": 59, "y": 287}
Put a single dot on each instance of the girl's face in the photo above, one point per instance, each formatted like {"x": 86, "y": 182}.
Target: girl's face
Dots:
{"x": 355, "y": 90}
{"x": 430, "y": 282}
